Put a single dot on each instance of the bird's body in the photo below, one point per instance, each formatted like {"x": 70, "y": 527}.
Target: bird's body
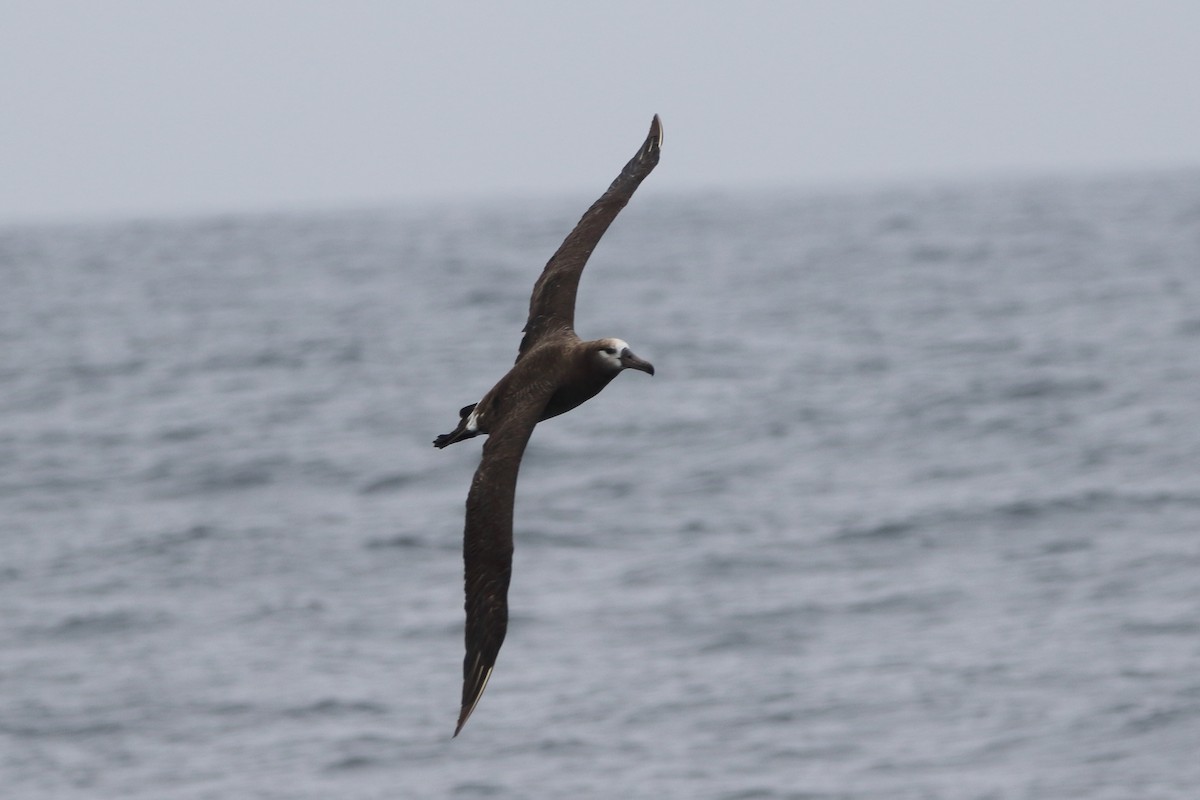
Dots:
{"x": 555, "y": 372}
{"x": 563, "y": 367}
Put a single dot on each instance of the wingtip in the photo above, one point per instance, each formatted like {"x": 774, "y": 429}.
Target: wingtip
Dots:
{"x": 463, "y": 716}
{"x": 471, "y": 699}
{"x": 462, "y": 721}
{"x": 656, "y": 130}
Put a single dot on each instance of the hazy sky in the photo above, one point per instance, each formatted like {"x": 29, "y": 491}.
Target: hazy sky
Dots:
{"x": 172, "y": 106}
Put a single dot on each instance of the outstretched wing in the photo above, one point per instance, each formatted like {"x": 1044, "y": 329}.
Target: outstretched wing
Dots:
{"x": 488, "y": 546}
{"x": 552, "y": 305}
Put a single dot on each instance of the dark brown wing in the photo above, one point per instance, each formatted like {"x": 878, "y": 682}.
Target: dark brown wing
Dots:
{"x": 488, "y": 546}
{"x": 552, "y": 305}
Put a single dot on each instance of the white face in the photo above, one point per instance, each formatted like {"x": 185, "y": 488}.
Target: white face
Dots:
{"x": 610, "y": 352}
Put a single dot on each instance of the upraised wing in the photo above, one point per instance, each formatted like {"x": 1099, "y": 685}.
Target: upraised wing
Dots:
{"x": 488, "y": 547}
{"x": 552, "y": 305}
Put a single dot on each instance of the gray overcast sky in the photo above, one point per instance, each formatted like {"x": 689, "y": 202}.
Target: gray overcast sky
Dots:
{"x": 150, "y": 108}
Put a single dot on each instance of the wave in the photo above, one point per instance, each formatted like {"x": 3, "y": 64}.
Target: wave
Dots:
{"x": 120, "y": 622}
{"x": 1084, "y": 501}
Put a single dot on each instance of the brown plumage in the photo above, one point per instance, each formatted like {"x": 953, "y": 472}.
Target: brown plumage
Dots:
{"x": 555, "y": 371}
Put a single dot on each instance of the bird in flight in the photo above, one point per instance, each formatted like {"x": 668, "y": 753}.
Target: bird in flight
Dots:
{"x": 555, "y": 371}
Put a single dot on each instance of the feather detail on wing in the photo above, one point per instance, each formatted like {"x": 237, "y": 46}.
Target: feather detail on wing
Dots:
{"x": 488, "y": 546}
{"x": 552, "y": 305}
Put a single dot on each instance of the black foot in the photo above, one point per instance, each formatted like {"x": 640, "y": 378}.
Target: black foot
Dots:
{"x": 454, "y": 436}
{"x": 459, "y": 433}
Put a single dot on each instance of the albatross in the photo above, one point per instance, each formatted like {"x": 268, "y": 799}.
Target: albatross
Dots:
{"x": 555, "y": 371}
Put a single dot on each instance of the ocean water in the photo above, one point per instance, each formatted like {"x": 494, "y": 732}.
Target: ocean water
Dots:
{"x": 911, "y": 508}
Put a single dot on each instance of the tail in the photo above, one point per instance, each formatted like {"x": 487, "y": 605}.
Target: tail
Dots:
{"x": 461, "y": 432}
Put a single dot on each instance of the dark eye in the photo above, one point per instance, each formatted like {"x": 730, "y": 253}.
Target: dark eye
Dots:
{"x": 612, "y": 351}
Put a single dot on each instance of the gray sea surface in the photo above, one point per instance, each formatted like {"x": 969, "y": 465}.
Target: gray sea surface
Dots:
{"x": 911, "y": 508}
